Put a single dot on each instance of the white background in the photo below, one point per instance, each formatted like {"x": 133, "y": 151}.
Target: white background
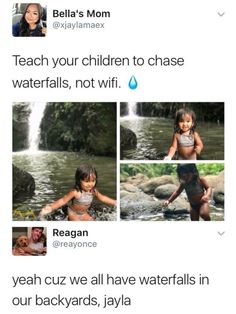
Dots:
{"x": 189, "y": 29}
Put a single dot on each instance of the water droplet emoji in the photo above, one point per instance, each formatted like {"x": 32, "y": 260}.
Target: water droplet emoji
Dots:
{"x": 133, "y": 83}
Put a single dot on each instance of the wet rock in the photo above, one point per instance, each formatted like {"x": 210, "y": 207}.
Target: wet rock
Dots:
{"x": 128, "y": 138}
{"x": 179, "y": 203}
{"x": 165, "y": 191}
{"x": 150, "y": 186}
{"x": 137, "y": 179}
{"x": 124, "y": 193}
{"x": 218, "y": 193}
{"x": 135, "y": 204}
{"x": 23, "y": 183}
{"x": 129, "y": 187}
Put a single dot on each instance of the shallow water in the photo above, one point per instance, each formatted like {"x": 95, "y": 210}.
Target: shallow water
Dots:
{"x": 216, "y": 214}
{"x": 54, "y": 176}
{"x": 154, "y": 137}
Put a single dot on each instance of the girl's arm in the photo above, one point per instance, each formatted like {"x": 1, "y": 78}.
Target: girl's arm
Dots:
{"x": 172, "y": 149}
{"x": 57, "y": 204}
{"x": 208, "y": 189}
{"x": 105, "y": 199}
{"x": 198, "y": 146}
{"x": 174, "y": 195}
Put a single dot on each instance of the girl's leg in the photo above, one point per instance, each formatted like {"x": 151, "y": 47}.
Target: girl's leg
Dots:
{"x": 204, "y": 212}
{"x": 194, "y": 214}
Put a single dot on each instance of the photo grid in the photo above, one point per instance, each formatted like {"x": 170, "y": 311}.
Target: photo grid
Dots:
{"x": 172, "y": 161}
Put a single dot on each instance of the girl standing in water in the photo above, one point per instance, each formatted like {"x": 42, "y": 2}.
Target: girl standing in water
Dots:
{"x": 197, "y": 189}
{"x": 185, "y": 140}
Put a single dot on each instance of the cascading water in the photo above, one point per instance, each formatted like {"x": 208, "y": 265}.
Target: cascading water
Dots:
{"x": 37, "y": 110}
{"x": 132, "y": 109}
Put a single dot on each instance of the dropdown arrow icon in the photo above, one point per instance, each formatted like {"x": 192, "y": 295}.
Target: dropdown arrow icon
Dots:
{"x": 221, "y": 14}
{"x": 221, "y": 233}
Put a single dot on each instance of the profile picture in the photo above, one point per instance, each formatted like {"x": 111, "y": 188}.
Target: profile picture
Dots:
{"x": 29, "y": 20}
{"x": 172, "y": 192}
{"x": 172, "y": 131}
{"x": 64, "y": 161}
{"x": 29, "y": 241}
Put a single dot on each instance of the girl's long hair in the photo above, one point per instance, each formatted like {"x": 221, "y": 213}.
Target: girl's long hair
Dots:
{"x": 179, "y": 114}
{"x": 187, "y": 168}
{"x": 24, "y": 26}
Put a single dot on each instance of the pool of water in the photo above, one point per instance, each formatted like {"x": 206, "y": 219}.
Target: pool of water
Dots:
{"x": 54, "y": 176}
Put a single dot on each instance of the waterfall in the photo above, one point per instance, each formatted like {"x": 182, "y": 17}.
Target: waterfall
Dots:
{"x": 132, "y": 109}
{"x": 37, "y": 110}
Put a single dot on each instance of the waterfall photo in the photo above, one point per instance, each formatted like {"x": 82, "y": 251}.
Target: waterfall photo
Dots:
{"x": 147, "y": 130}
{"x": 51, "y": 140}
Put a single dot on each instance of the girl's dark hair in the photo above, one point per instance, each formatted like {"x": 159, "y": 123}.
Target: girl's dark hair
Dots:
{"x": 84, "y": 172}
{"x": 24, "y": 26}
{"x": 187, "y": 168}
{"x": 179, "y": 114}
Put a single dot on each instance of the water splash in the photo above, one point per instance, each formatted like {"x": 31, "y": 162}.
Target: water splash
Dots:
{"x": 133, "y": 83}
{"x": 37, "y": 110}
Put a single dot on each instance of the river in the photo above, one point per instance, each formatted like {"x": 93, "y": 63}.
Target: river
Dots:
{"x": 54, "y": 176}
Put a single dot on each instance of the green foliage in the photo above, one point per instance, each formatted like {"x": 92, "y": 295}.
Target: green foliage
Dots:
{"x": 206, "y": 169}
{"x": 80, "y": 126}
{"x": 156, "y": 170}
{"x": 150, "y": 170}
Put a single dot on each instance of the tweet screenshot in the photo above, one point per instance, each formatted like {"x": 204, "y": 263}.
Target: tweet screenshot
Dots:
{"x": 117, "y": 161}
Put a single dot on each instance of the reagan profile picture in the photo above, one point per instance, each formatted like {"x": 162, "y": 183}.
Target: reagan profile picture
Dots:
{"x": 29, "y": 241}
{"x": 29, "y": 20}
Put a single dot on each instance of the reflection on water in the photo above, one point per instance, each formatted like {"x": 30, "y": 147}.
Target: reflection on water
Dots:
{"x": 154, "y": 137}
{"x": 54, "y": 174}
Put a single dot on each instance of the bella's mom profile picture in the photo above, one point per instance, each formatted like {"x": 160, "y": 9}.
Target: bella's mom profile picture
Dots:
{"x": 29, "y": 20}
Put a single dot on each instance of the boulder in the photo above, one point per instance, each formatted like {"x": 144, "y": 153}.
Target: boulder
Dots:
{"x": 133, "y": 204}
{"x": 150, "y": 186}
{"x": 164, "y": 191}
{"x": 128, "y": 138}
{"x": 23, "y": 183}
{"x": 138, "y": 179}
{"x": 129, "y": 187}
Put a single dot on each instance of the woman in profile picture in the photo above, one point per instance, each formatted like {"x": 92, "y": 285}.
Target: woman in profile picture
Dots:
{"x": 30, "y": 22}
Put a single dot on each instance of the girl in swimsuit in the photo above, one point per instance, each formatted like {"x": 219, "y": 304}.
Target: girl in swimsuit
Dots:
{"x": 185, "y": 140}
{"x": 197, "y": 189}
{"x": 81, "y": 196}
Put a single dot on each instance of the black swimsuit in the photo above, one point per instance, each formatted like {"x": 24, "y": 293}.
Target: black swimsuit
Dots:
{"x": 193, "y": 188}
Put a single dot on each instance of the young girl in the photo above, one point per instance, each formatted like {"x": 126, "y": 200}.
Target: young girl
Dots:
{"x": 29, "y": 25}
{"x": 185, "y": 139}
{"x": 81, "y": 196}
{"x": 197, "y": 189}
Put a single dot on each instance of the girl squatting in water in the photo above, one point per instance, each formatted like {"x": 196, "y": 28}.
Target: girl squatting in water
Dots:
{"x": 81, "y": 196}
{"x": 197, "y": 189}
{"x": 186, "y": 141}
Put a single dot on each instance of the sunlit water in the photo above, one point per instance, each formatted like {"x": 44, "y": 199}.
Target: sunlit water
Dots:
{"x": 54, "y": 176}
{"x": 154, "y": 137}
